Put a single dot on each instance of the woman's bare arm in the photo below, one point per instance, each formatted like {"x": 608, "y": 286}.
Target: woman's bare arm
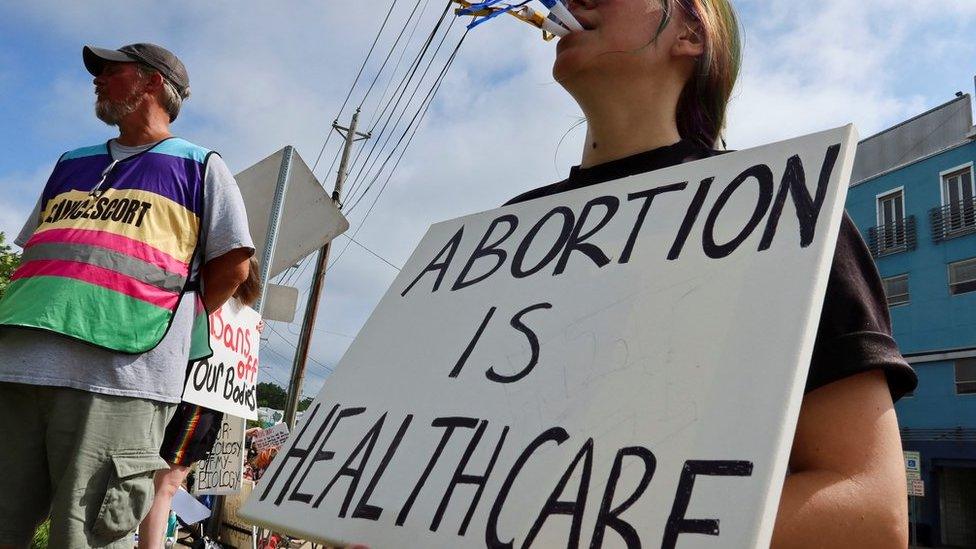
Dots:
{"x": 847, "y": 484}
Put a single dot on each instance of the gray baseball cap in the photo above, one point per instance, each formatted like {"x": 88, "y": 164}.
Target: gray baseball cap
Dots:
{"x": 152, "y": 55}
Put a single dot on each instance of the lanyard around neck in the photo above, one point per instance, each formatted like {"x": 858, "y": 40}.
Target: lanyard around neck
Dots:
{"x": 97, "y": 190}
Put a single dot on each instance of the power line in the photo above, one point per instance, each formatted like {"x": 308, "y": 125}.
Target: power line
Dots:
{"x": 386, "y": 88}
{"x": 390, "y": 53}
{"x": 411, "y": 128}
{"x": 354, "y": 82}
{"x": 295, "y": 346}
{"x": 385, "y": 183}
{"x": 334, "y": 160}
{"x": 396, "y": 66}
{"x": 376, "y": 255}
{"x": 400, "y": 93}
{"x": 298, "y": 271}
{"x": 414, "y": 122}
{"x": 367, "y": 165}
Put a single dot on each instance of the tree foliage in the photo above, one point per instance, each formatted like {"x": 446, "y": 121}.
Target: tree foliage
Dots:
{"x": 9, "y": 261}
{"x": 272, "y": 396}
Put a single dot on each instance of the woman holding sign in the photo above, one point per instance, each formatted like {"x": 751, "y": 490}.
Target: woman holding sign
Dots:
{"x": 653, "y": 78}
{"x": 192, "y": 432}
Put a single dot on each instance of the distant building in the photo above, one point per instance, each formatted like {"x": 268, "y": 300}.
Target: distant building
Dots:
{"x": 912, "y": 197}
{"x": 269, "y": 416}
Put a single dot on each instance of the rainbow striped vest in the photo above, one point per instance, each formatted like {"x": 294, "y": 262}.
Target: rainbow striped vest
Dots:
{"x": 110, "y": 260}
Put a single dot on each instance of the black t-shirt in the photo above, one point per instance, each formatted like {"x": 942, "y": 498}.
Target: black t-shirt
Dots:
{"x": 854, "y": 335}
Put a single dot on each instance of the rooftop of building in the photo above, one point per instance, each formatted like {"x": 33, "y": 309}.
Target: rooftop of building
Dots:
{"x": 941, "y": 128}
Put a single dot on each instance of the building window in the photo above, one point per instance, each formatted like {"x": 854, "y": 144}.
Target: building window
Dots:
{"x": 966, "y": 376}
{"x": 891, "y": 220}
{"x": 958, "y": 213}
{"x": 962, "y": 276}
{"x": 895, "y": 231}
{"x": 896, "y": 288}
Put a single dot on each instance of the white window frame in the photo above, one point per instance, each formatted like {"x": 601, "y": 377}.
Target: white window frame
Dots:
{"x": 878, "y": 214}
{"x": 886, "y": 194}
{"x": 959, "y": 168}
{"x": 887, "y": 297}
{"x": 949, "y": 275}
{"x": 955, "y": 379}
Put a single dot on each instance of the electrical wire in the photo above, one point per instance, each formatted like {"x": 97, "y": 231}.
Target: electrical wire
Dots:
{"x": 386, "y": 88}
{"x": 354, "y": 82}
{"x": 414, "y": 123}
{"x": 411, "y": 128}
{"x": 365, "y": 173}
{"x": 396, "y": 67}
{"x": 389, "y": 53}
{"x": 402, "y": 89}
{"x": 383, "y": 188}
{"x": 295, "y": 347}
{"x": 376, "y": 255}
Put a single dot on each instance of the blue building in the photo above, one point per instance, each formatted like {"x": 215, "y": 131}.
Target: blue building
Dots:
{"x": 912, "y": 197}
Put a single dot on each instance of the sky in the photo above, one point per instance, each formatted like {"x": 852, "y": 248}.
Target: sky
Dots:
{"x": 269, "y": 74}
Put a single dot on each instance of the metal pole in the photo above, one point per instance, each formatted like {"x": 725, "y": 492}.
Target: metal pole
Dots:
{"x": 267, "y": 256}
{"x": 914, "y": 533}
{"x": 274, "y": 224}
{"x": 318, "y": 281}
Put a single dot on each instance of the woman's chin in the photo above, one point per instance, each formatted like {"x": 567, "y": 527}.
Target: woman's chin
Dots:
{"x": 569, "y": 63}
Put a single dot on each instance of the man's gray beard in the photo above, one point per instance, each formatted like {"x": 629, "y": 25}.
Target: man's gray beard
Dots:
{"x": 112, "y": 112}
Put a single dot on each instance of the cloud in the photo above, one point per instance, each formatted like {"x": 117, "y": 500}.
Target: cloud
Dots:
{"x": 17, "y": 206}
{"x": 810, "y": 66}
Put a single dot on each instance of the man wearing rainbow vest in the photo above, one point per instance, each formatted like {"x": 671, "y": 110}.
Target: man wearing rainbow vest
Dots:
{"x": 127, "y": 239}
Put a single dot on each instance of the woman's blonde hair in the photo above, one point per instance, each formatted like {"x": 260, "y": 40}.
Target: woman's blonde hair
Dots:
{"x": 704, "y": 101}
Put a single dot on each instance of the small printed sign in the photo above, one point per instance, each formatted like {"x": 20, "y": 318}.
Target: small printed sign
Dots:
{"x": 271, "y": 437}
{"x": 916, "y": 488}
{"x": 913, "y": 466}
{"x": 913, "y": 461}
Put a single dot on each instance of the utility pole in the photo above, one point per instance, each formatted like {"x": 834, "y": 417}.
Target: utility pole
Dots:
{"x": 318, "y": 279}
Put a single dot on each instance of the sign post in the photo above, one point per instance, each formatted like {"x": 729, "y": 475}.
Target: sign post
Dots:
{"x": 621, "y": 362}
{"x": 916, "y": 488}
{"x": 278, "y": 187}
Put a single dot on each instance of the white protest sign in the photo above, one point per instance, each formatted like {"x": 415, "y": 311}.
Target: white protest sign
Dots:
{"x": 188, "y": 508}
{"x": 221, "y": 473}
{"x": 617, "y": 365}
{"x": 227, "y": 381}
{"x": 276, "y": 435}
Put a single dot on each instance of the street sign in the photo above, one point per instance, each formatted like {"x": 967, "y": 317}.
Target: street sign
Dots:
{"x": 625, "y": 360}
{"x": 916, "y": 488}
{"x": 310, "y": 218}
{"x": 280, "y": 303}
{"x": 913, "y": 465}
